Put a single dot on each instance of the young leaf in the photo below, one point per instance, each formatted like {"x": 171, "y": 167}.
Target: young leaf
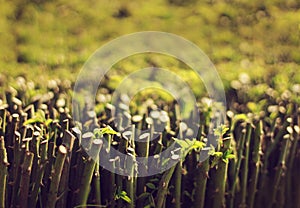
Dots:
{"x": 221, "y": 130}
{"x": 182, "y": 143}
{"x": 151, "y": 186}
{"x": 48, "y": 122}
{"x": 30, "y": 121}
{"x": 124, "y": 196}
{"x": 108, "y": 130}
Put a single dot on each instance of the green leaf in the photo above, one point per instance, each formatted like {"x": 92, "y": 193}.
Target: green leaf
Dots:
{"x": 182, "y": 143}
{"x": 32, "y": 121}
{"x": 143, "y": 196}
{"x": 41, "y": 114}
{"x": 108, "y": 130}
{"x": 126, "y": 198}
{"x": 48, "y": 122}
{"x": 122, "y": 195}
{"x": 216, "y": 158}
{"x": 242, "y": 117}
{"x": 154, "y": 180}
{"x": 151, "y": 186}
{"x": 253, "y": 107}
{"x": 189, "y": 142}
{"x": 217, "y": 154}
{"x": 221, "y": 130}
{"x": 231, "y": 156}
{"x": 39, "y": 117}
{"x": 198, "y": 145}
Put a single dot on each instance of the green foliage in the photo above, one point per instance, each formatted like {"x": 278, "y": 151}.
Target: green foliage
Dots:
{"x": 39, "y": 117}
{"x": 221, "y": 130}
{"x": 99, "y": 132}
{"x": 227, "y": 155}
{"x": 188, "y": 145}
{"x": 220, "y": 156}
{"x": 122, "y": 195}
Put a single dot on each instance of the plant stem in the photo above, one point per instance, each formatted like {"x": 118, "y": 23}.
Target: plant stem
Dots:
{"x": 17, "y": 169}
{"x": 255, "y": 164}
{"x": 3, "y": 113}
{"x": 142, "y": 148}
{"x": 55, "y": 176}
{"x": 131, "y": 168}
{"x": 25, "y": 179}
{"x": 178, "y": 177}
{"x": 201, "y": 180}
{"x": 40, "y": 173}
{"x": 264, "y": 178}
{"x": 97, "y": 185}
{"x": 88, "y": 172}
{"x": 68, "y": 142}
{"x": 119, "y": 180}
{"x": 245, "y": 167}
{"x": 50, "y": 161}
{"x": 291, "y": 160}
{"x": 281, "y": 167}
{"x": 163, "y": 187}
{"x": 241, "y": 139}
{"x": 3, "y": 172}
{"x": 220, "y": 178}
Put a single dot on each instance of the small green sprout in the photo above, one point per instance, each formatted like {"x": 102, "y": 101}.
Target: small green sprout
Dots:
{"x": 39, "y": 117}
{"x": 219, "y": 132}
{"x": 99, "y": 132}
{"x": 122, "y": 195}
{"x": 188, "y": 145}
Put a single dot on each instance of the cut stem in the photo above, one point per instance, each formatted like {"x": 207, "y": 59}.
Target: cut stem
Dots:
{"x": 56, "y": 175}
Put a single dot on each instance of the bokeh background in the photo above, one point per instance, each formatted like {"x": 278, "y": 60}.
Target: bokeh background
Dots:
{"x": 253, "y": 42}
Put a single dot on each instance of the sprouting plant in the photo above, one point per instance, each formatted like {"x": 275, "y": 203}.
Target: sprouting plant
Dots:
{"x": 217, "y": 156}
{"x": 39, "y": 117}
{"x": 239, "y": 117}
{"x": 187, "y": 145}
{"x": 220, "y": 132}
{"x": 120, "y": 194}
{"x": 99, "y": 132}
{"x": 227, "y": 155}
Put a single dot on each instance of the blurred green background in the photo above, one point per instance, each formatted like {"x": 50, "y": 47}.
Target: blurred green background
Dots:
{"x": 47, "y": 39}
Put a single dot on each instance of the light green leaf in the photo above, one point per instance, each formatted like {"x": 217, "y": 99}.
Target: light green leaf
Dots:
{"x": 108, "y": 130}
{"x": 231, "y": 156}
{"x": 48, "y": 122}
{"x": 182, "y": 143}
{"x": 126, "y": 198}
{"x": 242, "y": 117}
{"x": 32, "y": 121}
{"x": 198, "y": 144}
{"x": 221, "y": 130}
{"x": 217, "y": 154}
{"x": 40, "y": 114}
